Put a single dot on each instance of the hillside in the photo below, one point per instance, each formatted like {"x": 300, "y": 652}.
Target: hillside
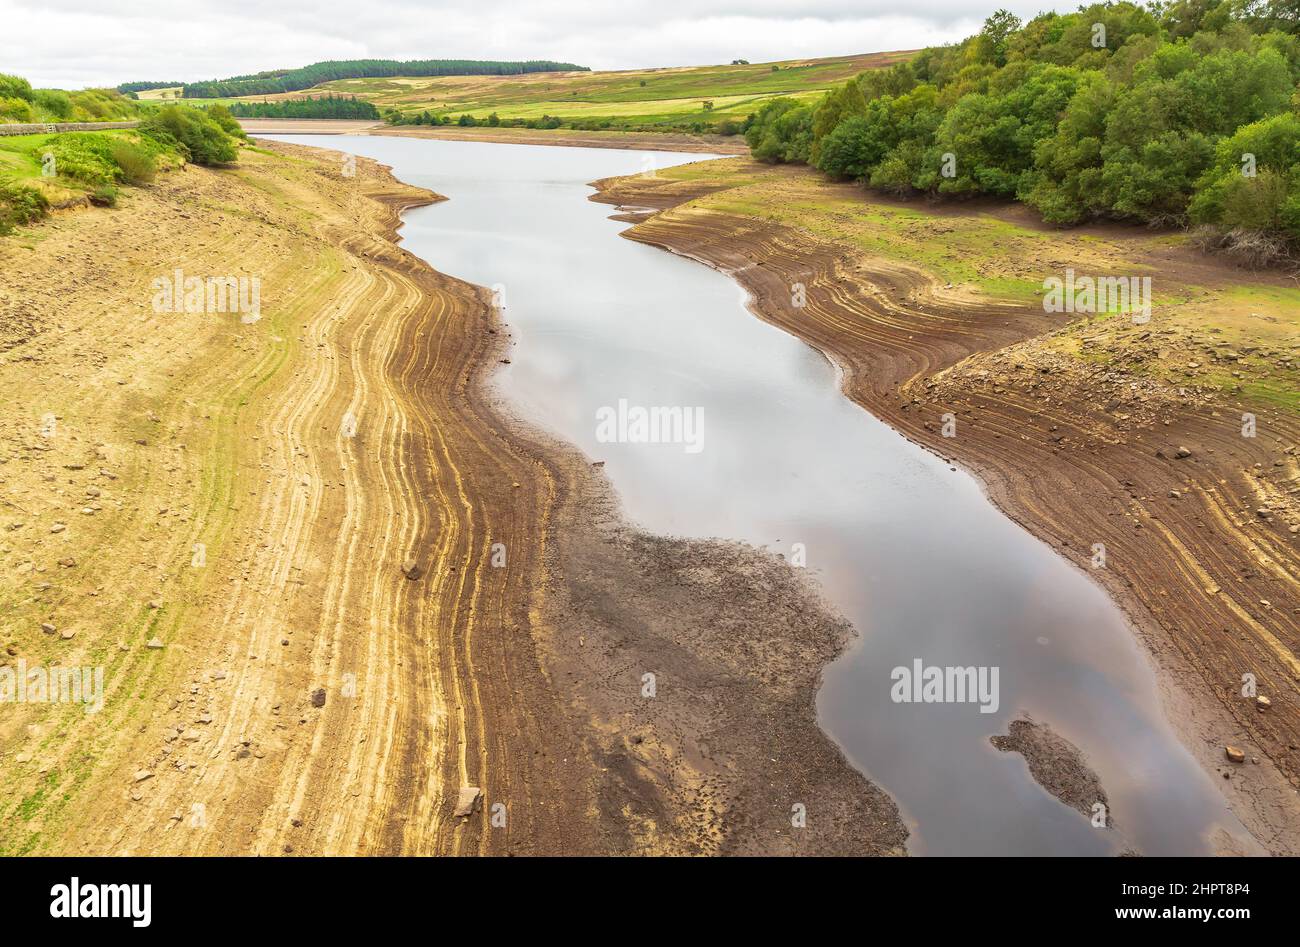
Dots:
{"x": 669, "y": 97}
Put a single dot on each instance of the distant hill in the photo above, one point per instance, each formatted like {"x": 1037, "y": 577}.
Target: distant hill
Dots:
{"x": 677, "y": 98}
{"x": 292, "y": 80}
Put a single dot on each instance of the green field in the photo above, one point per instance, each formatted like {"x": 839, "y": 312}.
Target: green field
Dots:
{"x": 635, "y": 98}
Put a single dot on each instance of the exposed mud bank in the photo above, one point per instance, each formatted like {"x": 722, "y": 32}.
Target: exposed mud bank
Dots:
{"x": 1078, "y": 454}
{"x": 301, "y": 690}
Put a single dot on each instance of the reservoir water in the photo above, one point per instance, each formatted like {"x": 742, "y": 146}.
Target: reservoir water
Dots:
{"x": 910, "y": 551}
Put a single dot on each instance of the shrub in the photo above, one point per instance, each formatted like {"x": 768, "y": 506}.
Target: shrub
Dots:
{"x": 196, "y": 135}
{"x": 15, "y": 109}
{"x": 55, "y": 105}
{"x": 229, "y": 124}
{"x": 138, "y": 166}
{"x": 13, "y": 87}
{"x": 85, "y": 156}
{"x": 20, "y": 204}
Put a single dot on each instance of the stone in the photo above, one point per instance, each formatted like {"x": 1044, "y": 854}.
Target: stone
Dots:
{"x": 142, "y": 775}
{"x": 1182, "y": 453}
{"x": 48, "y": 628}
{"x": 468, "y": 801}
{"x": 154, "y": 643}
{"x": 1263, "y": 703}
{"x": 411, "y": 569}
{"x": 1234, "y": 754}
{"x": 318, "y": 697}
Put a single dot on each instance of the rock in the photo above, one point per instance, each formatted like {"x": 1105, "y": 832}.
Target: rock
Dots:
{"x": 318, "y": 697}
{"x": 154, "y": 643}
{"x": 142, "y": 775}
{"x": 67, "y": 634}
{"x": 468, "y": 801}
{"x": 48, "y": 628}
{"x": 1234, "y": 754}
{"x": 191, "y": 736}
{"x": 1263, "y": 703}
{"x": 411, "y": 569}
{"x": 1175, "y": 495}
{"x": 58, "y": 528}
{"x": 155, "y": 604}
{"x": 1182, "y": 452}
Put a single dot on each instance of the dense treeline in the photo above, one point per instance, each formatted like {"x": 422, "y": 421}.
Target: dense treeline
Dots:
{"x": 128, "y": 87}
{"x": 295, "y": 80}
{"x": 394, "y": 117}
{"x": 1183, "y": 112}
{"x": 328, "y": 106}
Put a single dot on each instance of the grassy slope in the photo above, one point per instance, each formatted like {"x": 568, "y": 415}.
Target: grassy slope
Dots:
{"x": 634, "y": 97}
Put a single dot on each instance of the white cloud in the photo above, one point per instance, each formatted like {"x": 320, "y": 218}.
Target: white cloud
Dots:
{"x": 76, "y": 43}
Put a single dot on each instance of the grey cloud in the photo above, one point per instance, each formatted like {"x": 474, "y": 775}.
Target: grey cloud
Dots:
{"x": 74, "y": 43}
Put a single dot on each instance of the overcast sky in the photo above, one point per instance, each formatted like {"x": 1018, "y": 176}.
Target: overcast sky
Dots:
{"x": 77, "y": 43}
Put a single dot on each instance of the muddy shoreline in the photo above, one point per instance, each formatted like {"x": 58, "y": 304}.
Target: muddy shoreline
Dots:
{"x": 716, "y": 760}
{"x": 296, "y": 689}
{"x": 910, "y": 351}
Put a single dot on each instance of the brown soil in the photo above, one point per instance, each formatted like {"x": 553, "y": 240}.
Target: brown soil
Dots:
{"x": 1056, "y": 764}
{"x": 1079, "y": 454}
{"x": 308, "y": 696}
{"x": 307, "y": 126}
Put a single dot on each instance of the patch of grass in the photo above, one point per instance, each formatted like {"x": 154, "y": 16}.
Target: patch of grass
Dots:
{"x": 104, "y": 195}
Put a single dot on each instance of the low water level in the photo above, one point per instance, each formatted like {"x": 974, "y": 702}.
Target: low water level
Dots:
{"x": 909, "y": 550}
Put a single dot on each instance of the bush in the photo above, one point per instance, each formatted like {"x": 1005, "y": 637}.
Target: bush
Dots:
{"x": 1247, "y": 248}
{"x": 782, "y": 130}
{"x": 196, "y": 135}
{"x": 13, "y": 87}
{"x": 20, "y": 204}
{"x": 137, "y": 165}
{"x": 226, "y": 119}
{"x": 55, "y": 105}
{"x": 85, "y": 156}
{"x": 15, "y": 109}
